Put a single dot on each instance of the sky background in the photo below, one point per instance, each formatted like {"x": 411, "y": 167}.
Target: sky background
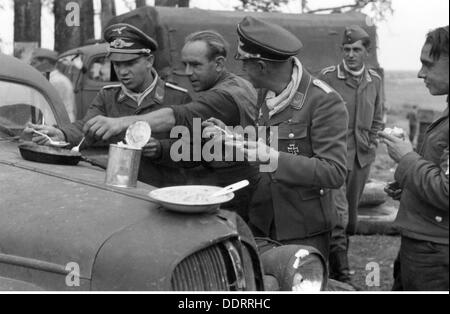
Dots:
{"x": 401, "y": 36}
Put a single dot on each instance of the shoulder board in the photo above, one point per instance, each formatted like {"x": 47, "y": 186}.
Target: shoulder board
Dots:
{"x": 178, "y": 88}
{"x": 323, "y": 86}
{"x": 112, "y": 86}
{"x": 374, "y": 73}
{"x": 329, "y": 70}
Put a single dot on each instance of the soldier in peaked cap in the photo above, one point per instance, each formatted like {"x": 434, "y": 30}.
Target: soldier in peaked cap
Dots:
{"x": 361, "y": 89}
{"x": 140, "y": 91}
{"x": 128, "y": 43}
{"x": 292, "y": 203}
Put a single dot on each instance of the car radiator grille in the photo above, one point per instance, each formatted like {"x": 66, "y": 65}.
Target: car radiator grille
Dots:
{"x": 204, "y": 271}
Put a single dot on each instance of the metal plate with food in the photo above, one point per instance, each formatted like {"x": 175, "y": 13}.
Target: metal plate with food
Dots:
{"x": 194, "y": 199}
{"x": 49, "y": 155}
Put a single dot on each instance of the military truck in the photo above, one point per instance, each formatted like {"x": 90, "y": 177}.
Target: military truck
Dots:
{"x": 321, "y": 35}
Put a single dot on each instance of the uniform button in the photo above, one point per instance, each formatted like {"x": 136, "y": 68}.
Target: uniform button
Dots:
{"x": 439, "y": 219}
{"x": 322, "y": 192}
{"x": 291, "y": 136}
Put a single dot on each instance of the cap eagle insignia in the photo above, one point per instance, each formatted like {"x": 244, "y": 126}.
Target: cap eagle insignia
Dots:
{"x": 119, "y": 30}
{"x": 120, "y": 44}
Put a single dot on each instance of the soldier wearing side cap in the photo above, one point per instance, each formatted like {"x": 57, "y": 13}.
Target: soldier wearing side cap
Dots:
{"x": 140, "y": 91}
{"x": 361, "y": 89}
{"x": 293, "y": 203}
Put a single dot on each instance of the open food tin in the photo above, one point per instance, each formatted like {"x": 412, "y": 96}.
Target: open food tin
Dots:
{"x": 123, "y": 166}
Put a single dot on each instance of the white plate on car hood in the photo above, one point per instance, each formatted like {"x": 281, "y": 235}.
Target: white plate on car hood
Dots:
{"x": 193, "y": 199}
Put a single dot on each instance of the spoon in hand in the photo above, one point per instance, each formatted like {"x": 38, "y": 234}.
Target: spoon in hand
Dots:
{"x": 52, "y": 142}
{"x": 76, "y": 149}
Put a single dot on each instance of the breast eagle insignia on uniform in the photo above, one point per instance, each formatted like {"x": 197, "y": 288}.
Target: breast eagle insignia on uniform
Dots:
{"x": 323, "y": 86}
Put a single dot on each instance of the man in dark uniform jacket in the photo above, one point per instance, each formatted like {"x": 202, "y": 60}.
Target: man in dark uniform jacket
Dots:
{"x": 423, "y": 216}
{"x": 361, "y": 89}
{"x": 293, "y": 203}
{"x": 141, "y": 91}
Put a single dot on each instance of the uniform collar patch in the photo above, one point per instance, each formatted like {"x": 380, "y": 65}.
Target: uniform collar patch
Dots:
{"x": 297, "y": 101}
{"x": 160, "y": 92}
{"x": 122, "y": 96}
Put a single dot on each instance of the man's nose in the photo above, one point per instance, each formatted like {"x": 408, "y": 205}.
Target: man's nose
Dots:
{"x": 421, "y": 74}
{"x": 188, "y": 70}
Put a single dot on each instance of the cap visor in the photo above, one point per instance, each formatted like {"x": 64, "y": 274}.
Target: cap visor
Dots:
{"x": 123, "y": 57}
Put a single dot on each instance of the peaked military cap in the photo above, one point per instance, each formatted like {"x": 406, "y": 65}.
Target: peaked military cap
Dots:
{"x": 259, "y": 39}
{"x": 128, "y": 42}
{"x": 353, "y": 34}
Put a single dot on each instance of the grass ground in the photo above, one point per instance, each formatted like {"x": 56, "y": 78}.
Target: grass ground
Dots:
{"x": 403, "y": 90}
{"x": 369, "y": 253}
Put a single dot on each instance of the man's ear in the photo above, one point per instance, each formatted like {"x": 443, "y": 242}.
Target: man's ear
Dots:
{"x": 151, "y": 60}
{"x": 262, "y": 66}
{"x": 220, "y": 62}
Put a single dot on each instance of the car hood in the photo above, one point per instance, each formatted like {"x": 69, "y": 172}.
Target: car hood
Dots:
{"x": 56, "y": 215}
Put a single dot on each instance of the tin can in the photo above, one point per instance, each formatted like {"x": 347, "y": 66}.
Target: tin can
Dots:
{"x": 123, "y": 166}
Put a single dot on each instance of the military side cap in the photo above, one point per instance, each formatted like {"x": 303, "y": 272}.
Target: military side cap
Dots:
{"x": 266, "y": 41}
{"x": 127, "y": 42}
{"x": 45, "y": 54}
{"x": 353, "y": 34}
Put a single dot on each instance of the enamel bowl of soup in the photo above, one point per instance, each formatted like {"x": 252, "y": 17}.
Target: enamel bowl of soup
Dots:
{"x": 191, "y": 199}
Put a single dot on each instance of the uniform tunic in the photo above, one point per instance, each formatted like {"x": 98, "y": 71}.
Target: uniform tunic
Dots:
{"x": 113, "y": 102}
{"x": 295, "y": 202}
{"x": 364, "y": 101}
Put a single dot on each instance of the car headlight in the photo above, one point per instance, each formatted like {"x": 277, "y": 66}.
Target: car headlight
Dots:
{"x": 297, "y": 268}
{"x": 309, "y": 276}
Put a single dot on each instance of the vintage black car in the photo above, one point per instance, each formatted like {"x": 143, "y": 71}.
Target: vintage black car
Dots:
{"x": 62, "y": 228}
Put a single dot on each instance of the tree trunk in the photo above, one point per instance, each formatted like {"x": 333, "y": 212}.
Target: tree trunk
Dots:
{"x": 183, "y": 3}
{"x": 141, "y": 3}
{"x": 172, "y": 3}
{"x": 27, "y": 21}
{"x": 74, "y": 23}
{"x": 108, "y": 11}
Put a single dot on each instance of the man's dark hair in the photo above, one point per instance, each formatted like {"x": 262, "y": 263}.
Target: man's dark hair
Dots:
{"x": 218, "y": 46}
{"x": 438, "y": 39}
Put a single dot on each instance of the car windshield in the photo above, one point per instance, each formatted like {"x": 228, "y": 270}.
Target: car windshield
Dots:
{"x": 21, "y": 104}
